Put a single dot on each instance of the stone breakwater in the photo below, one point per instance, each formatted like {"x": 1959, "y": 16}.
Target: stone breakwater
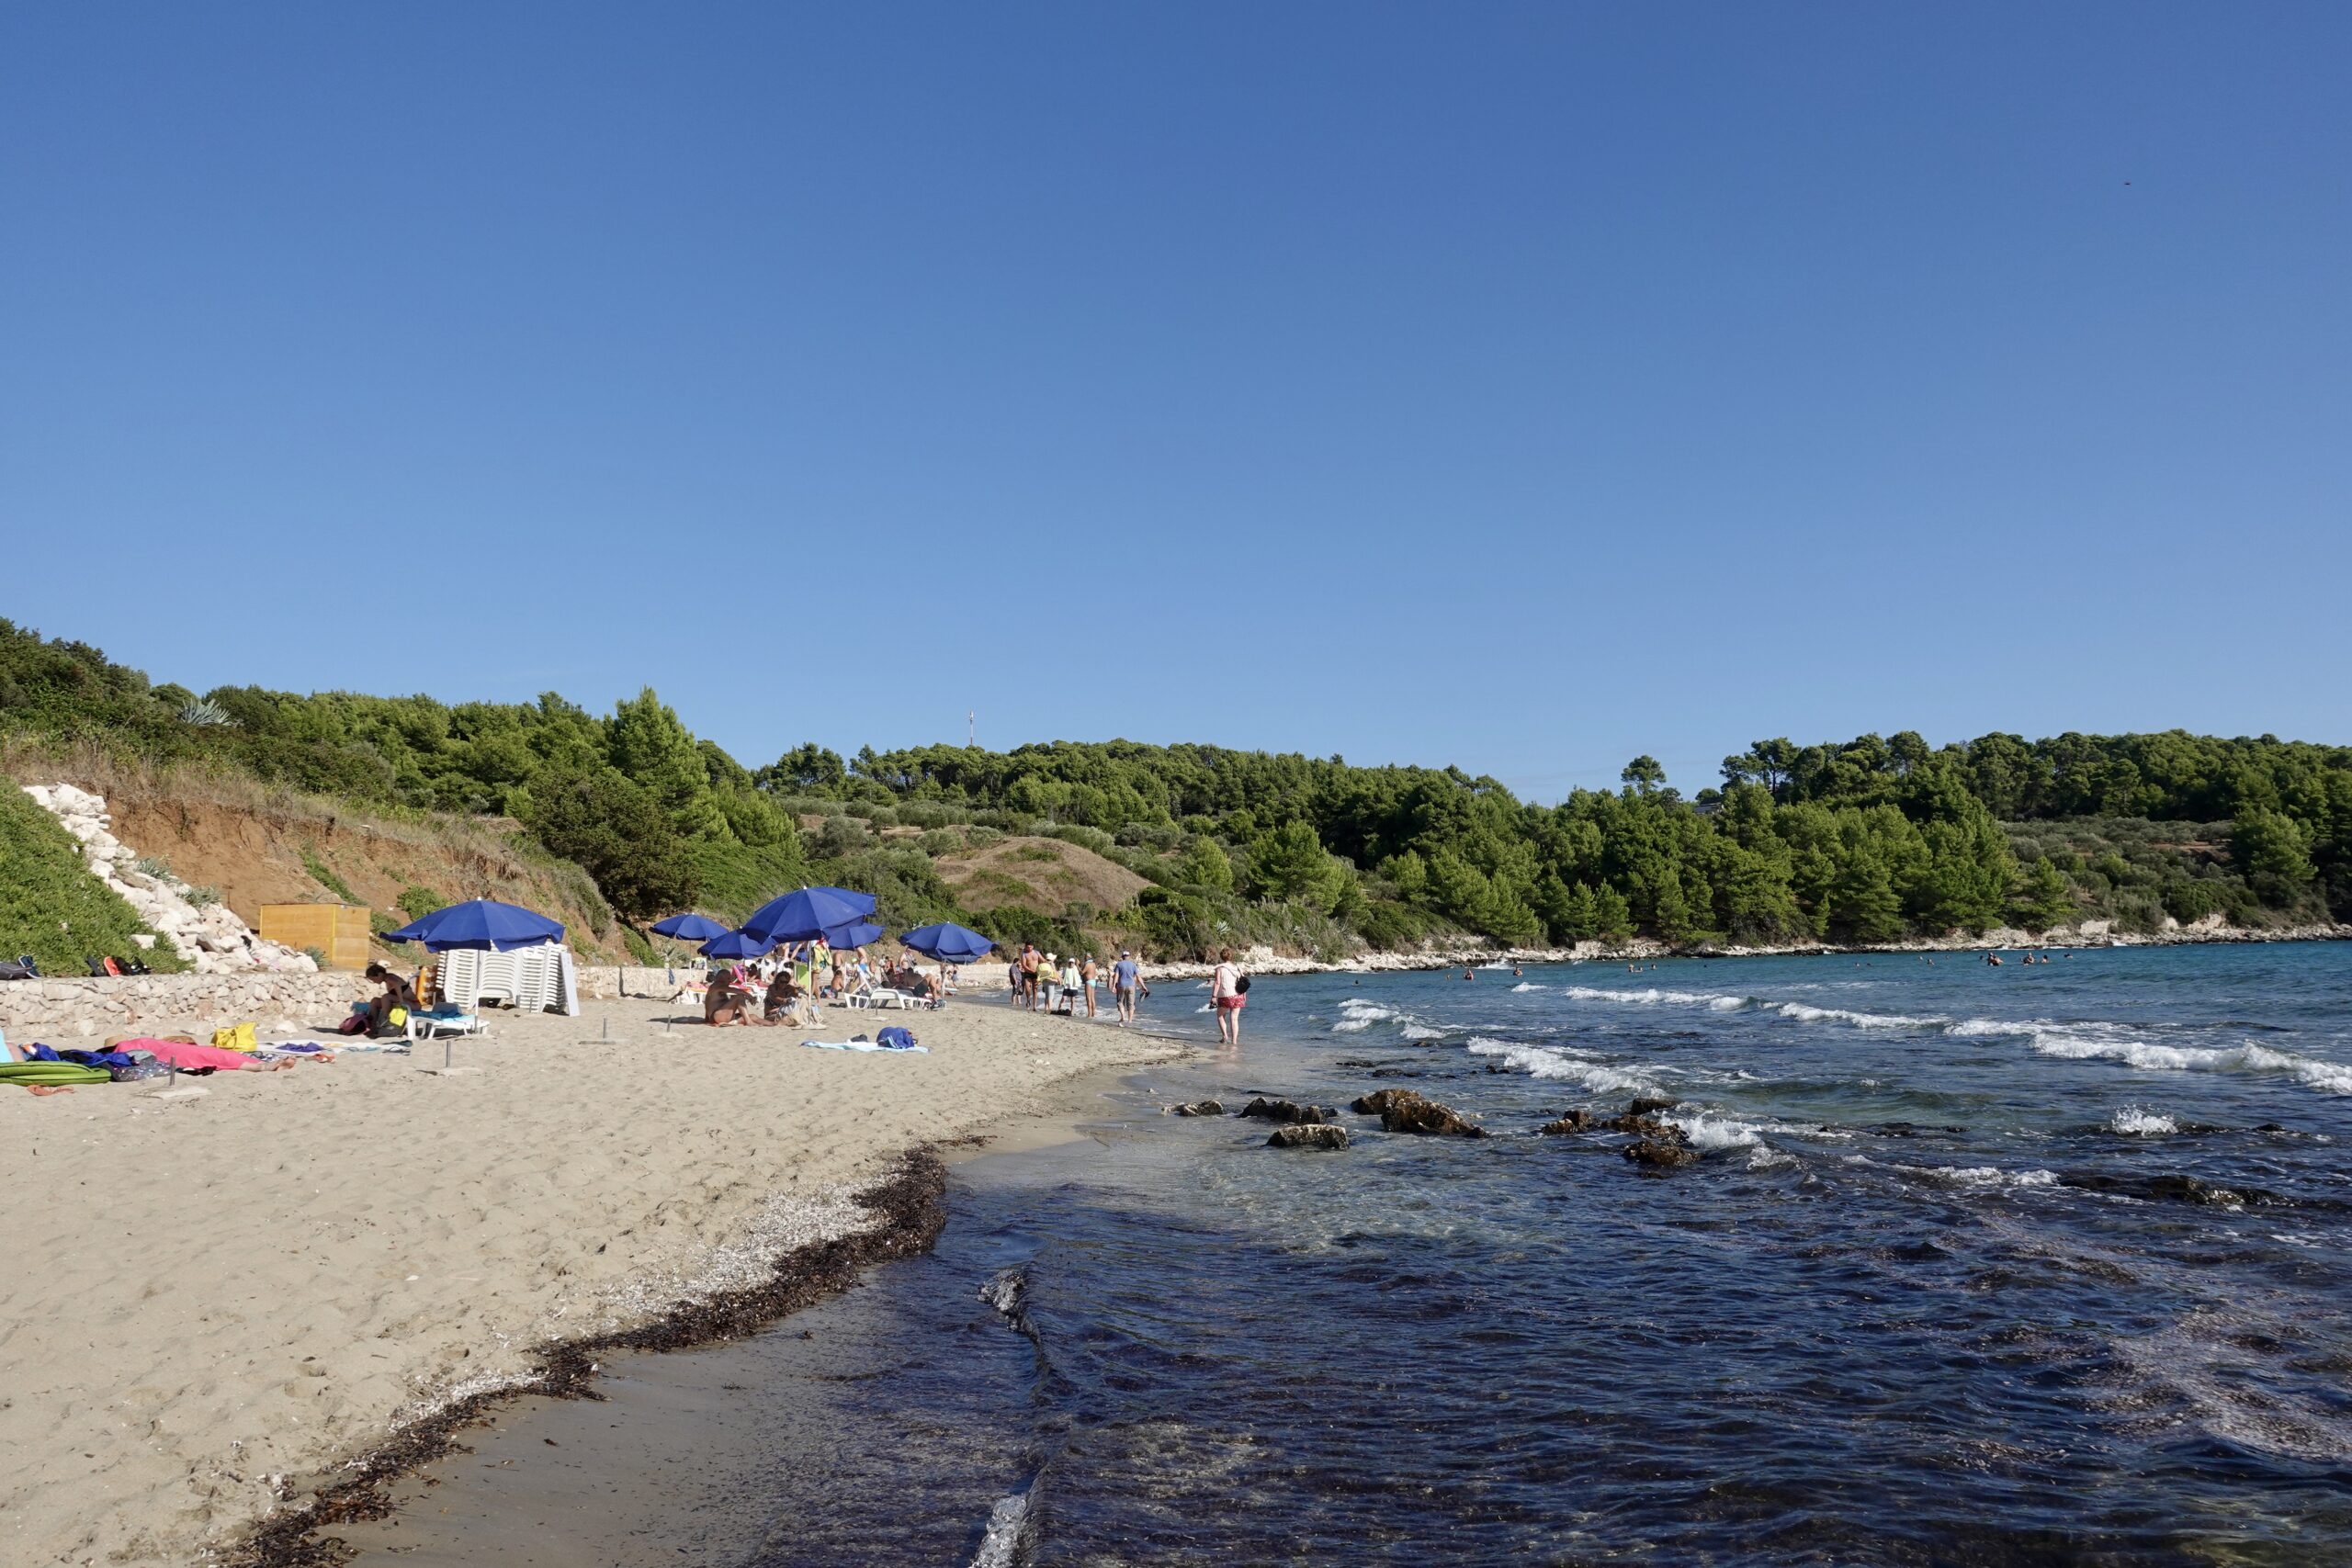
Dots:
{"x": 64, "y": 1010}
{"x": 207, "y": 932}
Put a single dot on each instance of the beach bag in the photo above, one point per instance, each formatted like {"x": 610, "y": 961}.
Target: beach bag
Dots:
{"x": 895, "y": 1038}
{"x": 352, "y": 1023}
{"x": 235, "y": 1037}
{"x": 1242, "y": 987}
{"x": 136, "y": 1066}
{"x": 16, "y": 972}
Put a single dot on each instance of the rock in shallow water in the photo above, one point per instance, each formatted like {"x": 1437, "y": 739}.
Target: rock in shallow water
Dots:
{"x": 1567, "y": 1121}
{"x": 1648, "y": 1105}
{"x": 1199, "y": 1107}
{"x": 1648, "y": 1127}
{"x": 1409, "y": 1110}
{"x": 1316, "y": 1136}
{"x": 1659, "y": 1155}
{"x": 1288, "y": 1110}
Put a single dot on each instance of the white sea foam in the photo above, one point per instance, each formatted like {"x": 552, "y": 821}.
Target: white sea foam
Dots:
{"x": 2141, "y": 1123}
{"x": 1975, "y": 1177}
{"x": 1529, "y": 985}
{"x": 1648, "y": 997}
{"x": 1805, "y": 1012}
{"x": 1717, "y": 1132}
{"x": 1798, "y": 1012}
{"x": 1558, "y": 1064}
{"x": 1001, "y": 1546}
{"x": 2092, "y": 1042}
{"x": 2329, "y": 1078}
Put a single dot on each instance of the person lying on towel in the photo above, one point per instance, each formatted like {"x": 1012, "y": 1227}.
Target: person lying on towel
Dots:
{"x": 182, "y": 1051}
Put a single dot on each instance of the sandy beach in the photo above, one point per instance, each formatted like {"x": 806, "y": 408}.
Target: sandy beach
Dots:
{"x": 214, "y": 1301}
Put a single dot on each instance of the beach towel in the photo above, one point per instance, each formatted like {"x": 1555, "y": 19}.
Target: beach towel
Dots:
{"x": 171, "y": 1053}
{"x": 862, "y": 1044}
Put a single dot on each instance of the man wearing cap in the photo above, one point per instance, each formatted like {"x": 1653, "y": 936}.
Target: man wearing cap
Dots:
{"x": 1125, "y": 978}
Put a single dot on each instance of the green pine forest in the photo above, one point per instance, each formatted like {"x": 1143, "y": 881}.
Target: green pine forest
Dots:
{"x": 1865, "y": 841}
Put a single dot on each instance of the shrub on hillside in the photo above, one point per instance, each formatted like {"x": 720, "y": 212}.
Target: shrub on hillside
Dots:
{"x": 418, "y": 902}
{"x": 51, "y": 907}
{"x": 620, "y": 835}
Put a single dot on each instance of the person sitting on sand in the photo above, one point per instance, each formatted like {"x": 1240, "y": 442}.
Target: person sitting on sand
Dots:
{"x": 725, "y": 1004}
{"x": 785, "y": 998}
{"x": 398, "y": 993}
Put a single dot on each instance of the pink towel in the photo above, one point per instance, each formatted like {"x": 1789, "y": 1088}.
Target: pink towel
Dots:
{"x": 171, "y": 1053}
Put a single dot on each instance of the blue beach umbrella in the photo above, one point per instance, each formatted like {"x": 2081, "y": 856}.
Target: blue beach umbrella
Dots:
{"x": 948, "y": 942}
{"x": 806, "y": 915}
{"x": 842, "y": 938}
{"x": 735, "y": 944}
{"x": 481, "y": 924}
{"x": 689, "y": 928}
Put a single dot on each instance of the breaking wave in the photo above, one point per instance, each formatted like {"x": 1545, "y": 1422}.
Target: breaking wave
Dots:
{"x": 1559, "y": 1064}
{"x": 1982, "y": 1178}
{"x": 2136, "y": 1123}
{"x": 2115, "y": 1042}
{"x": 1357, "y": 1015}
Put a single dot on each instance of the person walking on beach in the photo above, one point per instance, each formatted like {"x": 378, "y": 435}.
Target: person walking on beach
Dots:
{"x": 1087, "y": 974}
{"x": 1126, "y": 975}
{"x": 1029, "y": 976}
{"x": 1227, "y": 992}
{"x": 1071, "y": 979}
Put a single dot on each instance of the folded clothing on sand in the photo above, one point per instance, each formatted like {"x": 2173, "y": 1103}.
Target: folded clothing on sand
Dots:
{"x": 862, "y": 1044}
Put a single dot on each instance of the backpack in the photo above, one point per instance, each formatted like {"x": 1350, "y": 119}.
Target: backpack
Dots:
{"x": 352, "y": 1023}
{"x": 16, "y": 972}
{"x": 1242, "y": 987}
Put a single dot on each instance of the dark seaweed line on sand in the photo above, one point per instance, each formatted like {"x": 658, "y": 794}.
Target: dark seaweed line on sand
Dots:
{"x": 911, "y": 1205}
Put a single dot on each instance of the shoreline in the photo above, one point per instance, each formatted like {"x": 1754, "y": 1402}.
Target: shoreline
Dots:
{"x": 251, "y": 1354}
{"x": 911, "y": 1211}
{"x": 910, "y": 1206}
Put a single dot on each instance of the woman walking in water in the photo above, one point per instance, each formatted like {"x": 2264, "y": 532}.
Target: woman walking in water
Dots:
{"x": 1228, "y": 991}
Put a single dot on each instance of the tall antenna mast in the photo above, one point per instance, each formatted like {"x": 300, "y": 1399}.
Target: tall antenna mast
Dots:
{"x": 971, "y": 728}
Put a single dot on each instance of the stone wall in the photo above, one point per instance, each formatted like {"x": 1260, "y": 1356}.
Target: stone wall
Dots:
{"x": 69, "y": 1011}
{"x": 602, "y": 982}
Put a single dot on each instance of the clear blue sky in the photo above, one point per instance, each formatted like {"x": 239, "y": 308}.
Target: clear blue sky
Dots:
{"x": 1520, "y": 387}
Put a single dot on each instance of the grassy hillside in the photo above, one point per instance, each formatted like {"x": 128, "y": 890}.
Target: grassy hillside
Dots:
{"x": 51, "y": 907}
{"x": 257, "y": 844}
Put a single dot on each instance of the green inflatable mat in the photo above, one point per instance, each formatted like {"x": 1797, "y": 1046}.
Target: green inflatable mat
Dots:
{"x": 52, "y": 1073}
